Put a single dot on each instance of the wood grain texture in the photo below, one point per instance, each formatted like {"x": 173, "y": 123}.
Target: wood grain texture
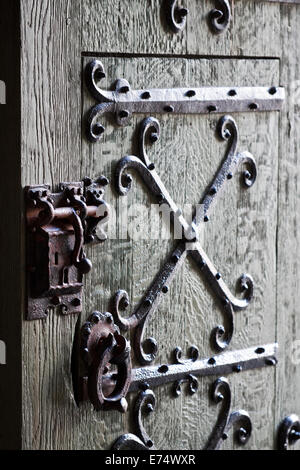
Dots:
{"x": 142, "y": 29}
{"x": 245, "y": 225}
{"x": 288, "y": 238}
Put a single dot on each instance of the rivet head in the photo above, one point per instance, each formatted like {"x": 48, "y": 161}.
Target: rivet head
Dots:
{"x": 271, "y": 362}
{"x": 146, "y": 95}
{"x": 109, "y": 318}
{"x": 144, "y": 386}
{"x": 87, "y": 330}
{"x": 182, "y": 12}
{"x": 124, "y": 114}
{"x": 175, "y": 258}
{"x": 165, "y": 289}
{"x": 213, "y": 191}
{"x": 211, "y": 108}
{"x": 55, "y": 301}
{"x": 124, "y": 89}
{"x": 212, "y": 361}
{"x": 163, "y": 369}
{"x": 98, "y": 129}
{"x": 149, "y": 408}
{"x": 103, "y": 181}
{"x": 76, "y": 302}
{"x": 253, "y": 106}
{"x": 127, "y": 179}
{"x": 96, "y": 318}
{"x": 190, "y": 93}
{"x": 232, "y": 93}
{"x": 151, "y": 167}
{"x": 147, "y": 303}
{"x": 99, "y": 74}
{"x": 229, "y": 176}
{"x": 260, "y": 350}
{"x": 273, "y": 90}
{"x": 206, "y": 218}
{"x": 237, "y": 368}
{"x": 153, "y": 137}
{"x": 218, "y": 276}
{"x": 169, "y": 109}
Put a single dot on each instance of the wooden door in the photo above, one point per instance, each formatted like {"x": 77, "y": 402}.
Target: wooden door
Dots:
{"x": 251, "y": 228}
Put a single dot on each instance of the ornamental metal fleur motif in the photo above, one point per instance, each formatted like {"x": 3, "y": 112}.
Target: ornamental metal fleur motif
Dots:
{"x": 220, "y": 394}
{"x": 189, "y": 245}
{"x": 187, "y": 371}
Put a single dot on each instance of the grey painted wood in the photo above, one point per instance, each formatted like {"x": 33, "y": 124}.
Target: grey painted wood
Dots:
{"x": 252, "y": 230}
{"x": 288, "y": 243}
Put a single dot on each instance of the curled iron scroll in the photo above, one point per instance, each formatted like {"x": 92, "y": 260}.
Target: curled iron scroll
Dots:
{"x": 218, "y": 18}
{"x": 145, "y": 403}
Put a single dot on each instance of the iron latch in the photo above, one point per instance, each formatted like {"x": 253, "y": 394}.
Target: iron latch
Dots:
{"x": 58, "y": 226}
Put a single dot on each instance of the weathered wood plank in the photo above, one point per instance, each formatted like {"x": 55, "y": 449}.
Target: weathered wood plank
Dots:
{"x": 288, "y": 237}
{"x": 54, "y": 34}
{"x": 254, "y": 29}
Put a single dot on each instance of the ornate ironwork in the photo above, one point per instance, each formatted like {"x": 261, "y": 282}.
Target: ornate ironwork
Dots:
{"x": 102, "y": 347}
{"x": 189, "y": 245}
{"x": 122, "y": 101}
{"x": 220, "y": 394}
{"x": 58, "y": 225}
{"x": 175, "y": 15}
{"x": 218, "y": 19}
{"x": 289, "y": 432}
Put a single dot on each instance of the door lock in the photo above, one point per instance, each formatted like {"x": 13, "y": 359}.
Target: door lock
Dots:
{"x": 58, "y": 226}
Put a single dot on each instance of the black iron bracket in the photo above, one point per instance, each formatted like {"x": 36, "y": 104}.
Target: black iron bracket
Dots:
{"x": 123, "y": 101}
{"x": 58, "y": 226}
{"x": 289, "y": 432}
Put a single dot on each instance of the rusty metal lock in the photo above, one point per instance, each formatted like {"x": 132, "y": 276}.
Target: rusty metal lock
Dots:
{"x": 58, "y": 226}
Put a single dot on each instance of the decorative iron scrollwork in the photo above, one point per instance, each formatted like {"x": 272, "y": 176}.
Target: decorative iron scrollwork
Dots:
{"x": 190, "y": 245}
{"x": 175, "y": 15}
{"x": 218, "y": 18}
{"x": 123, "y": 101}
{"x": 102, "y": 347}
{"x": 221, "y": 393}
{"x": 58, "y": 226}
{"x": 145, "y": 402}
{"x": 289, "y": 432}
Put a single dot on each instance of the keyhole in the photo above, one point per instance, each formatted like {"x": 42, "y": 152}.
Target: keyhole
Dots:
{"x": 66, "y": 276}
